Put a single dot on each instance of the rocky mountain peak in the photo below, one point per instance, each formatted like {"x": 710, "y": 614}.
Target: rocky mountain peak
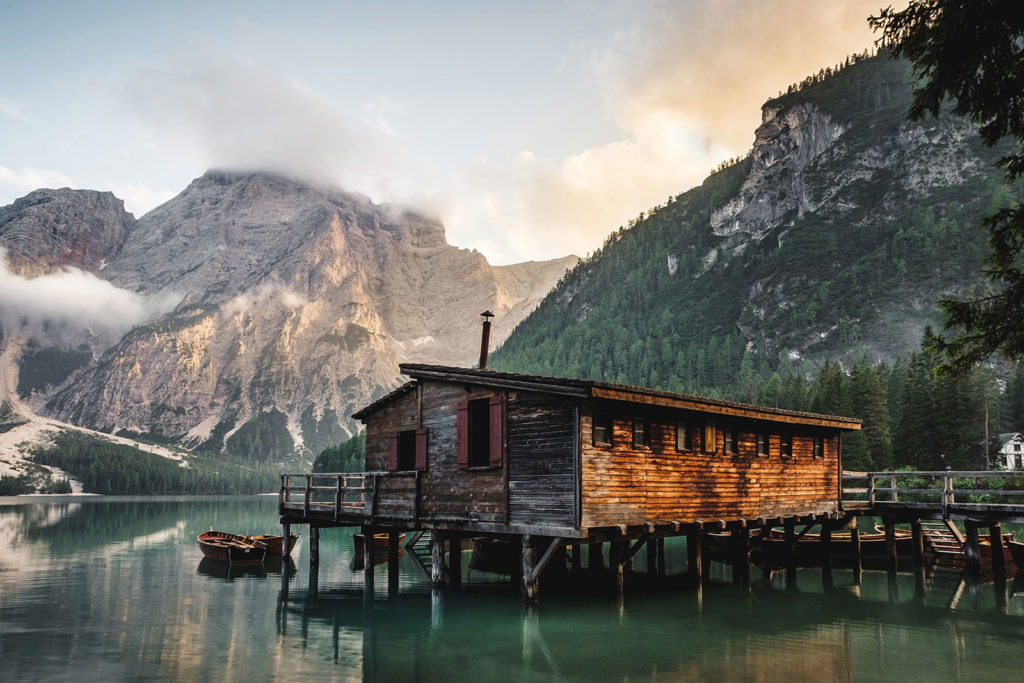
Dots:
{"x": 51, "y": 229}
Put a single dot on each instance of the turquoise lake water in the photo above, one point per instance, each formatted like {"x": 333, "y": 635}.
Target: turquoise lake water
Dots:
{"x": 97, "y": 588}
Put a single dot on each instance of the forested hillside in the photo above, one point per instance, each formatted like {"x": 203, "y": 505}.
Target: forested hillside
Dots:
{"x": 801, "y": 276}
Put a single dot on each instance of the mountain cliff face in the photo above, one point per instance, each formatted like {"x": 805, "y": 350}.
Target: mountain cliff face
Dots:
{"x": 833, "y": 238}
{"x": 296, "y": 305}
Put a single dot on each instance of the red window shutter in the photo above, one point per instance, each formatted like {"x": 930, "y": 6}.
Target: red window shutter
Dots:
{"x": 421, "y": 449}
{"x": 393, "y": 452}
{"x": 462, "y": 435}
{"x": 497, "y": 405}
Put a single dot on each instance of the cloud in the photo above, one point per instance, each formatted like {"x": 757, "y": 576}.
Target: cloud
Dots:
{"x": 227, "y": 113}
{"x": 686, "y": 85}
{"x": 138, "y": 199}
{"x": 76, "y": 297}
{"x": 13, "y": 109}
{"x": 26, "y": 179}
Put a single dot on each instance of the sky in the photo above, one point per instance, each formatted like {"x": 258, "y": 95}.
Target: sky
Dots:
{"x": 531, "y": 129}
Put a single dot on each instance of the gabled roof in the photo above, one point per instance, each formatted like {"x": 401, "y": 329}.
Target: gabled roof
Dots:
{"x": 1007, "y": 438}
{"x": 591, "y": 389}
{"x": 387, "y": 398}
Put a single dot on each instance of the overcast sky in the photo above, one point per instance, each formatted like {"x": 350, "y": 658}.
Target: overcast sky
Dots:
{"x": 532, "y": 129}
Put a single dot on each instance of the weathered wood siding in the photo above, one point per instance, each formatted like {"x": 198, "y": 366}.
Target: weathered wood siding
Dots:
{"x": 623, "y": 484}
{"x": 398, "y": 415}
{"x": 541, "y": 460}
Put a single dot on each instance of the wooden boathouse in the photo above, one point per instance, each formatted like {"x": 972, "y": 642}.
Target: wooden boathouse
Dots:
{"x": 547, "y": 463}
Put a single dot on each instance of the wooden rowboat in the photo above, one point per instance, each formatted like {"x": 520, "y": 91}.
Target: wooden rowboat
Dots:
{"x": 231, "y": 548}
{"x": 275, "y": 543}
{"x": 380, "y": 542}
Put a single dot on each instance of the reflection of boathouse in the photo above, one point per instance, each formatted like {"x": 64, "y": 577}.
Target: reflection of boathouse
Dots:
{"x": 550, "y": 462}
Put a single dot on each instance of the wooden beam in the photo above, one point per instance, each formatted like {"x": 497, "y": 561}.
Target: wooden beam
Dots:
{"x": 971, "y": 548}
{"x": 890, "y": 544}
{"x": 918, "y": 542}
{"x": 530, "y": 585}
{"x": 437, "y": 568}
{"x": 368, "y": 532}
{"x": 694, "y": 552}
{"x": 995, "y": 536}
{"x": 455, "y": 559}
{"x": 540, "y": 565}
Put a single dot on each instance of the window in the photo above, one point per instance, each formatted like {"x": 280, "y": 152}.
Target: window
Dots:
{"x": 479, "y": 437}
{"x": 819, "y": 447}
{"x": 639, "y": 432}
{"x": 786, "y": 445}
{"x": 408, "y": 450}
{"x": 1016, "y": 448}
{"x": 762, "y": 445}
{"x": 731, "y": 442}
{"x": 602, "y": 430}
{"x": 684, "y": 437}
{"x": 709, "y": 442}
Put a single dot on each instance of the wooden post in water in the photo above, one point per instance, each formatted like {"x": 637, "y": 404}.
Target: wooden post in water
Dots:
{"x": 741, "y": 556}
{"x": 890, "y": 544}
{"x": 918, "y": 542}
{"x": 577, "y": 557}
{"x": 661, "y": 557}
{"x": 436, "y": 558}
{"x": 531, "y": 582}
{"x": 368, "y": 532}
{"x": 995, "y": 536}
{"x": 393, "y": 550}
{"x": 314, "y": 545}
{"x": 855, "y": 548}
{"x": 455, "y": 559}
{"x": 617, "y": 551}
{"x": 694, "y": 555}
{"x": 971, "y": 549}
{"x": 790, "y": 535}
{"x": 286, "y": 532}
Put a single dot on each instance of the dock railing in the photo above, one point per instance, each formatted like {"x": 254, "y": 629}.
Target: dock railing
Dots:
{"x": 931, "y": 489}
{"x": 352, "y": 496}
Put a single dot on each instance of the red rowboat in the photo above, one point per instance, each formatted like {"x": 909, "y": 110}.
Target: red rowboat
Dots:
{"x": 231, "y": 548}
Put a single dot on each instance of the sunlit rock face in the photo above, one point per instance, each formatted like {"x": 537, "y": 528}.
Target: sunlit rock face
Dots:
{"x": 295, "y": 305}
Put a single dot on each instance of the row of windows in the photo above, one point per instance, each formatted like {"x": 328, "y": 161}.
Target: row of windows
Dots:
{"x": 691, "y": 436}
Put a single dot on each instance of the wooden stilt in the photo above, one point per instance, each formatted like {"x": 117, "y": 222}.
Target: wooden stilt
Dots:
{"x": 741, "y": 556}
{"x": 455, "y": 559}
{"x": 393, "y": 549}
{"x": 531, "y": 581}
{"x": 995, "y": 537}
{"x": 918, "y": 542}
{"x": 652, "y": 557}
{"x": 368, "y": 532}
{"x": 436, "y": 558}
{"x": 694, "y": 555}
{"x": 286, "y": 532}
{"x": 661, "y": 557}
{"x": 855, "y": 548}
{"x": 595, "y": 557}
{"x": 314, "y": 545}
{"x": 790, "y": 537}
{"x": 617, "y": 559}
{"x": 577, "y": 557}
{"x": 971, "y": 548}
{"x": 890, "y": 544}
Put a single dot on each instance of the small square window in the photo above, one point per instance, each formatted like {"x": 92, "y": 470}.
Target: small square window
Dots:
{"x": 762, "y": 445}
{"x": 732, "y": 445}
{"x": 639, "y": 432}
{"x": 684, "y": 437}
{"x": 709, "y": 441}
{"x": 819, "y": 448}
{"x": 602, "y": 430}
{"x": 786, "y": 445}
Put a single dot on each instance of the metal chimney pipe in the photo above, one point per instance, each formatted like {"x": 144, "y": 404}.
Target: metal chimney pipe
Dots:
{"x": 485, "y": 338}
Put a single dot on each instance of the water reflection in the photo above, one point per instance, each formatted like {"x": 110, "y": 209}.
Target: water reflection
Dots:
{"x": 117, "y": 589}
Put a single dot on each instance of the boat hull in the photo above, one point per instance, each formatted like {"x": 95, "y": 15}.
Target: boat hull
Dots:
{"x": 275, "y": 544}
{"x": 380, "y": 542}
{"x": 231, "y": 549}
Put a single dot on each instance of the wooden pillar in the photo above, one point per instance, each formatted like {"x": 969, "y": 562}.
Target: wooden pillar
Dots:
{"x": 436, "y": 558}
{"x": 891, "y": 563}
{"x": 661, "y": 557}
{"x": 577, "y": 557}
{"x": 855, "y": 549}
{"x": 314, "y": 545}
{"x": 595, "y": 558}
{"x": 790, "y": 537}
{"x": 531, "y": 582}
{"x": 455, "y": 559}
{"x": 652, "y": 557}
{"x": 286, "y": 532}
{"x": 741, "y": 556}
{"x": 617, "y": 551}
{"x": 826, "y": 557}
{"x": 393, "y": 550}
{"x": 368, "y": 532}
{"x": 694, "y": 555}
{"x": 995, "y": 536}
{"x": 971, "y": 547}
{"x": 918, "y": 542}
